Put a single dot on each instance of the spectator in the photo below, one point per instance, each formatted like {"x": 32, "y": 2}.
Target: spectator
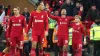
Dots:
{"x": 2, "y": 15}
{"x": 2, "y": 39}
{"x": 76, "y": 9}
{"x": 8, "y": 12}
{"x": 98, "y": 4}
{"x": 92, "y": 13}
{"x": 1, "y": 7}
{"x": 94, "y": 37}
{"x": 57, "y": 4}
{"x": 56, "y": 12}
{"x": 68, "y": 5}
{"x": 26, "y": 14}
{"x": 52, "y": 24}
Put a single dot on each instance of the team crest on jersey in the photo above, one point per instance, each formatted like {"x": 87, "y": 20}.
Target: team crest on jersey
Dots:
{"x": 78, "y": 28}
{"x": 66, "y": 19}
{"x": 34, "y": 16}
{"x": 42, "y": 16}
{"x": 19, "y": 20}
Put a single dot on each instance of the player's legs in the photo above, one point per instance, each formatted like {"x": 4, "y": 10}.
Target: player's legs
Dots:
{"x": 79, "y": 52}
{"x": 65, "y": 45}
{"x": 20, "y": 44}
{"x": 74, "y": 47}
{"x": 12, "y": 46}
{"x": 26, "y": 49}
{"x": 77, "y": 48}
{"x": 34, "y": 43}
{"x": 41, "y": 40}
{"x": 60, "y": 44}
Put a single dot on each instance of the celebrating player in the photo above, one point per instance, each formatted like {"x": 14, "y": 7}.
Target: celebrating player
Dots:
{"x": 15, "y": 27}
{"x": 39, "y": 24}
{"x": 63, "y": 22}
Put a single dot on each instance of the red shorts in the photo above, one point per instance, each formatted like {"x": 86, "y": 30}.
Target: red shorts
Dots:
{"x": 38, "y": 37}
{"x": 15, "y": 40}
{"x": 77, "y": 46}
{"x": 62, "y": 40}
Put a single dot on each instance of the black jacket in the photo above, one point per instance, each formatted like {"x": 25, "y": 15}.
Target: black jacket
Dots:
{"x": 92, "y": 14}
{"x": 69, "y": 9}
{"x": 27, "y": 15}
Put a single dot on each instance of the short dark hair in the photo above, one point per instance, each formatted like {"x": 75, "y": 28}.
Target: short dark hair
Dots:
{"x": 17, "y": 8}
{"x": 93, "y": 5}
{"x": 38, "y": 3}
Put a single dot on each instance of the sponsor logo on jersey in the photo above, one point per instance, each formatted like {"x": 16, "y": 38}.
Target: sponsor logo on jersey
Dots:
{"x": 75, "y": 30}
{"x": 16, "y": 24}
{"x": 38, "y": 20}
{"x": 63, "y": 22}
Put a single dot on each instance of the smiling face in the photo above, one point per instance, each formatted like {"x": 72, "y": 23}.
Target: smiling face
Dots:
{"x": 77, "y": 18}
{"x": 93, "y": 7}
{"x": 63, "y": 12}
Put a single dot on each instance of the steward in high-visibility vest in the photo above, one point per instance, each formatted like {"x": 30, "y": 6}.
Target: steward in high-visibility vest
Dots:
{"x": 54, "y": 37}
{"x": 95, "y": 39}
{"x": 52, "y": 23}
{"x": 70, "y": 36}
{"x": 95, "y": 32}
{"x": 55, "y": 41}
{"x": 70, "y": 40}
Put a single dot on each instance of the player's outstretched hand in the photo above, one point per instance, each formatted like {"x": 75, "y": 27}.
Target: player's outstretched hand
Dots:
{"x": 46, "y": 33}
{"x": 65, "y": 47}
{"x": 85, "y": 42}
{"x": 25, "y": 35}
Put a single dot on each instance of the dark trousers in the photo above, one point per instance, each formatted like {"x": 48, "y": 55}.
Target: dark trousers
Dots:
{"x": 49, "y": 39}
{"x": 56, "y": 49}
{"x": 96, "y": 48}
{"x": 27, "y": 48}
{"x": 1, "y": 29}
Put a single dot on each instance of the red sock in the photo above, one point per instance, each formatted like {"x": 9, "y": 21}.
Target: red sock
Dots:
{"x": 33, "y": 53}
{"x": 41, "y": 52}
{"x": 65, "y": 53}
{"x": 61, "y": 53}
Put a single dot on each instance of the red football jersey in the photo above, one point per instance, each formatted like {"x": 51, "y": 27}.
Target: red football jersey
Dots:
{"x": 16, "y": 25}
{"x": 78, "y": 31}
{"x": 38, "y": 22}
{"x": 62, "y": 23}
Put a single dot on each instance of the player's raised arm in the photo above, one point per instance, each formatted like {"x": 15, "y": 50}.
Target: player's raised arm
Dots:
{"x": 49, "y": 14}
{"x": 71, "y": 18}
